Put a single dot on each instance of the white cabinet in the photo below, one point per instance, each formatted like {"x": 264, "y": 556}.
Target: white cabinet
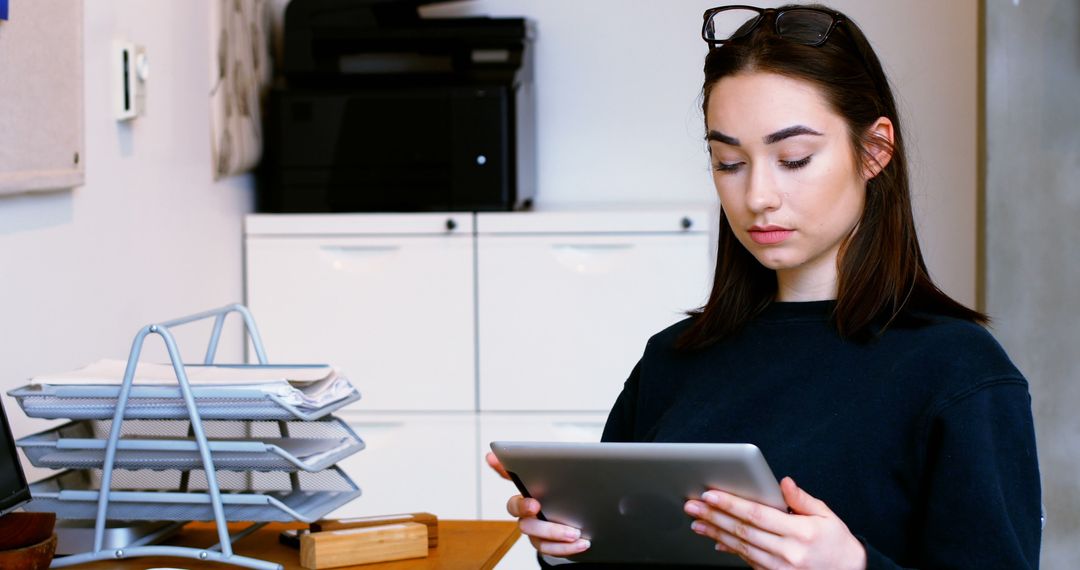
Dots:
{"x": 567, "y": 301}
{"x": 461, "y": 329}
{"x": 388, "y": 299}
{"x": 412, "y": 463}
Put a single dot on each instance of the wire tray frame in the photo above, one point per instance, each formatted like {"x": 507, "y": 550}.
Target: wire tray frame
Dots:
{"x": 169, "y": 444}
{"x": 156, "y": 402}
{"x": 180, "y": 494}
{"x": 173, "y": 495}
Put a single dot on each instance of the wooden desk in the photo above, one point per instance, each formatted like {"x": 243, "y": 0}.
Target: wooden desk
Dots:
{"x": 463, "y": 545}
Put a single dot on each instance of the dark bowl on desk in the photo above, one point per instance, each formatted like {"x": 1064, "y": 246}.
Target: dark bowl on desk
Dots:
{"x": 34, "y": 557}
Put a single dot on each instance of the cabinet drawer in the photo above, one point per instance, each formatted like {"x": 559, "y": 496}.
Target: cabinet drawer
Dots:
{"x": 563, "y": 318}
{"x": 414, "y": 462}
{"x": 395, "y": 313}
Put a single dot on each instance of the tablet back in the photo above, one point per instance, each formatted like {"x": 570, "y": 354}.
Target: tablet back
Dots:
{"x": 627, "y": 498}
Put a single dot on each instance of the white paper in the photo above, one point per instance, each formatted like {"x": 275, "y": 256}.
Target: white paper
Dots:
{"x": 309, "y": 387}
{"x": 111, "y": 371}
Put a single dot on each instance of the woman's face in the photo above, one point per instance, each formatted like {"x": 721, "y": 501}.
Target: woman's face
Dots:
{"x": 784, "y": 168}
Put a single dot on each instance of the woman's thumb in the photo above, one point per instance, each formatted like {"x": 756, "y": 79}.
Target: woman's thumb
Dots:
{"x": 800, "y": 501}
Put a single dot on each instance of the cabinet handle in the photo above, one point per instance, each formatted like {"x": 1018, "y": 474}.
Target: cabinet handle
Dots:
{"x": 360, "y": 249}
{"x": 591, "y": 258}
{"x": 686, "y": 223}
{"x": 451, "y": 225}
{"x": 357, "y": 258}
{"x": 579, "y": 425}
{"x": 593, "y": 246}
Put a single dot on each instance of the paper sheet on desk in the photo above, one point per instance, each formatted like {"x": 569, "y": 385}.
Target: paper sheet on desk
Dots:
{"x": 313, "y": 386}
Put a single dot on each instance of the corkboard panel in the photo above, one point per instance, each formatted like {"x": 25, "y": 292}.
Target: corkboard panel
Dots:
{"x": 41, "y": 96}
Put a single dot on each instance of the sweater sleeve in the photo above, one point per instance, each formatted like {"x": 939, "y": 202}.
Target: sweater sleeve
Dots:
{"x": 982, "y": 496}
{"x": 620, "y": 421}
{"x": 876, "y": 560}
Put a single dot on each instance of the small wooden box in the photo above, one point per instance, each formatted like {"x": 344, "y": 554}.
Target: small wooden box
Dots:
{"x": 428, "y": 519}
{"x": 364, "y": 545}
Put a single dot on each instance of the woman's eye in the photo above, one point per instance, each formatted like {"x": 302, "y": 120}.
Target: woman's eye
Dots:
{"x": 727, "y": 167}
{"x": 796, "y": 164}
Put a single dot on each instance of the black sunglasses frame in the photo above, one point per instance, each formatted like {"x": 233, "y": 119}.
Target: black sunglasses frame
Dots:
{"x": 762, "y": 14}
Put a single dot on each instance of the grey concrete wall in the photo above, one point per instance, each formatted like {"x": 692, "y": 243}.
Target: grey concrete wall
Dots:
{"x": 1033, "y": 234}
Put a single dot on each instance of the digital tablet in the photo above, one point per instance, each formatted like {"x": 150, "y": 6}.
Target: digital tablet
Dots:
{"x": 627, "y": 498}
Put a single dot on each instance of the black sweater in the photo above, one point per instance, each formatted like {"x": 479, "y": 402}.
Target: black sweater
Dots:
{"x": 921, "y": 441}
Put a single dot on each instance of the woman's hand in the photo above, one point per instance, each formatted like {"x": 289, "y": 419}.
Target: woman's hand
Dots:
{"x": 811, "y": 537}
{"x": 495, "y": 464}
{"x": 546, "y": 537}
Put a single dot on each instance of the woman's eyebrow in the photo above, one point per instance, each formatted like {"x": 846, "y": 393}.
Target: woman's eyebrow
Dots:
{"x": 721, "y": 137}
{"x": 789, "y": 132}
{"x": 768, "y": 139}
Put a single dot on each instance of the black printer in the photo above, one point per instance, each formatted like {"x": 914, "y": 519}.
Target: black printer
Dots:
{"x": 381, "y": 110}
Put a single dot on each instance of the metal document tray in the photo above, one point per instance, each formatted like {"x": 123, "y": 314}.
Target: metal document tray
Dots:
{"x": 167, "y": 488}
{"x": 138, "y": 495}
{"x": 164, "y": 402}
{"x": 168, "y": 444}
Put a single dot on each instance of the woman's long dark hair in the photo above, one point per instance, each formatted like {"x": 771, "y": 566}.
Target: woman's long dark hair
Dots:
{"x": 882, "y": 275}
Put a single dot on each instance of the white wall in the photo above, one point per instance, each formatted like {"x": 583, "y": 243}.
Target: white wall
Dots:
{"x": 150, "y": 236}
{"x": 619, "y": 119}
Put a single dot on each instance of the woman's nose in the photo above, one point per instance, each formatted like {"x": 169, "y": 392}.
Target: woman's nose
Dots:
{"x": 762, "y": 195}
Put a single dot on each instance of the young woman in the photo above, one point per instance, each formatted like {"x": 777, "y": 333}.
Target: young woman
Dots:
{"x": 902, "y": 431}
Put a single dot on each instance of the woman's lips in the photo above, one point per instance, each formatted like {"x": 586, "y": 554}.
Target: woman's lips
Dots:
{"x": 769, "y": 235}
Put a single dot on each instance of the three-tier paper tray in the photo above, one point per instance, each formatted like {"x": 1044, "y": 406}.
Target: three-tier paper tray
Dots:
{"x": 177, "y": 442}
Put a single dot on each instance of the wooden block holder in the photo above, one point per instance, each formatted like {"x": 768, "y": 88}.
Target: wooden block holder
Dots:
{"x": 363, "y": 545}
{"x": 427, "y": 519}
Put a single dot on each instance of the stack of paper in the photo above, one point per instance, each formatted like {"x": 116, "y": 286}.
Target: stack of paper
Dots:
{"x": 307, "y": 386}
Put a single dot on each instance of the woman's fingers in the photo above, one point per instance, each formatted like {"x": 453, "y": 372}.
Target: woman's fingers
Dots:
{"x": 719, "y": 521}
{"x": 746, "y": 549}
{"x": 553, "y": 538}
{"x": 495, "y": 464}
{"x": 757, "y": 557}
{"x": 547, "y": 537}
{"x": 550, "y": 531}
{"x": 559, "y": 548}
{"x": 751, "y": 512}
{"x": 519, "y": 507}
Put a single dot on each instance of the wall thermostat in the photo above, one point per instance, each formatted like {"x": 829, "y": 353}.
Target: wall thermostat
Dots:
{"x": 131, "y": 70}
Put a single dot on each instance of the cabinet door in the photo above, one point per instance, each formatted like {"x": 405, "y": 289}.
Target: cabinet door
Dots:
{"x": 495, "y": 491}
{"x": 395, "y": 313}
{"x": 413, "y": 463}
{"x": 563, "y": 318}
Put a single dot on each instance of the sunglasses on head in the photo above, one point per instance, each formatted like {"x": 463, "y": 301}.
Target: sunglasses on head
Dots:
{"x": 807, "y": 26}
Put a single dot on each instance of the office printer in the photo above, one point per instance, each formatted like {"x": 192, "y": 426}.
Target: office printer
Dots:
{"x": 382, "y": 110}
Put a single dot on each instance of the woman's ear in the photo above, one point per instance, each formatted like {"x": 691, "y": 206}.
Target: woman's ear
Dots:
{"x": 878, "y": 143}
